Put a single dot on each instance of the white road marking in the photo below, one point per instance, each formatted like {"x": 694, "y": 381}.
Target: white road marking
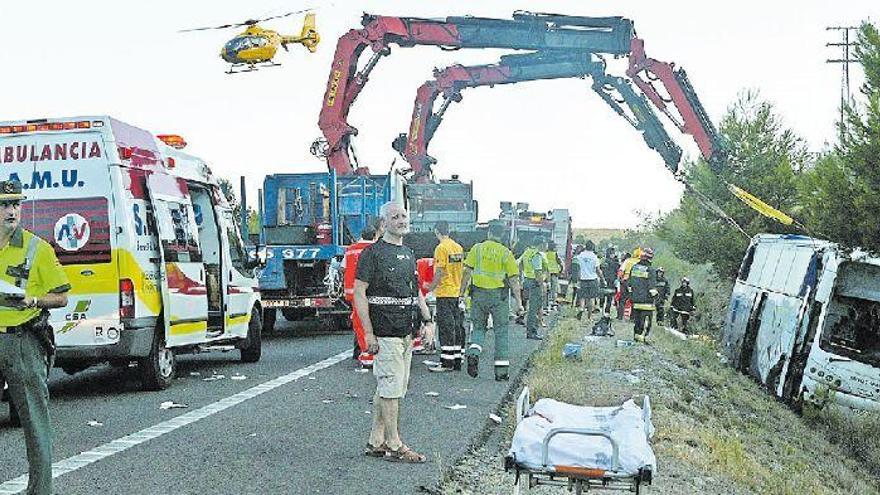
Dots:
{"x": 78, "y": 461}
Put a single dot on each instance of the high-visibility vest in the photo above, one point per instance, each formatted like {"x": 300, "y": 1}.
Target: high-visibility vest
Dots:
{"x": 553, "y": 264}
{"x": 528, "y": 258}
{"x": 490, "y": 264}
{"x": 352, "y": 254}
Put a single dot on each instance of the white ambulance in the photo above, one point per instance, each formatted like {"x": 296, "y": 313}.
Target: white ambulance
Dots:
{"x": 147, "y": 238}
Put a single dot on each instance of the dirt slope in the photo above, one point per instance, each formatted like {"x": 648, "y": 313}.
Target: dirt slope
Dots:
{"x": 717, "y": 431}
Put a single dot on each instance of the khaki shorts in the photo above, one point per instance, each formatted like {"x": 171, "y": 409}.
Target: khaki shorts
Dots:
{"x": 391, "y": 366}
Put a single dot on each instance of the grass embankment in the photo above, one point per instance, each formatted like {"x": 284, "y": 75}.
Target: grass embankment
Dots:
{"x": 717, "y": 432}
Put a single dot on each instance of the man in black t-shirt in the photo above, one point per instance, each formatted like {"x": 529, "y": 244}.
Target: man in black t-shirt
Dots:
{"x": 391, "y": 308}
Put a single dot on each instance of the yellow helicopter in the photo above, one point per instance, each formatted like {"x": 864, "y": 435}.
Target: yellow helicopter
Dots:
{"x": 256, "y": 47}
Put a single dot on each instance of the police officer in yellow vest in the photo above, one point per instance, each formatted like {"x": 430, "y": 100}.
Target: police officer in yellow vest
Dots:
{"x": 31, "y": 282}
{"x": 489, "y": 269}
{"x": 534, "y": 271}
{"x": 554, "y": 268}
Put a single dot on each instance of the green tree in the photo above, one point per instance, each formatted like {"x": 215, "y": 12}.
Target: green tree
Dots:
{"x": 764, "y": 158}
{"x": 839, "y": 195}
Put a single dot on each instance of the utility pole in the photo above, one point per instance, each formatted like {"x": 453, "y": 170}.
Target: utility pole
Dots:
{"x": 846, "y": 48}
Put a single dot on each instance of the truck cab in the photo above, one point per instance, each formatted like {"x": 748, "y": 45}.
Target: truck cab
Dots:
{"x": 307, "y": 219}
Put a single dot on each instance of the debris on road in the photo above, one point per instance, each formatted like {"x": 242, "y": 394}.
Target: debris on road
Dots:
{"x": 194, "y": 373}
{"x": 456, "y": 407}
{"x": 624, "y": 343}
{"x": 432, "y": 394}
{"x": 171, "y": 405}
{"x": 213, "y": 378}
{"x": 95, "y": 423}
{"x": 676, "y": 333}
{"x": 572, "y": 351}
{"x": 327, "y": 401}
{"x": 238, "y": 377}
{"x": 495, "y": 418}
{"x": 430, "y": 364}
{"x": 362, "y": 370}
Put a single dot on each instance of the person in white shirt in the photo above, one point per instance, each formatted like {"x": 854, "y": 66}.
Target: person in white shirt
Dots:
{"x": 589, "y": 279}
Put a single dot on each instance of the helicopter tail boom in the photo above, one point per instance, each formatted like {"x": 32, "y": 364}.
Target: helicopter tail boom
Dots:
{"x": 308, "y": 37}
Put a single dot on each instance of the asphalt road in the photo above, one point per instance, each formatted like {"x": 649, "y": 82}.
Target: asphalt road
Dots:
{"x": 303, "y": 436}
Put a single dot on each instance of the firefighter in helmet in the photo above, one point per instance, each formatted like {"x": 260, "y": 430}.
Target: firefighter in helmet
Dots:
{"x": 642, "y": 283}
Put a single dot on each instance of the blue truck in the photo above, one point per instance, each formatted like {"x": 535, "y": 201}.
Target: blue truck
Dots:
{"x": 306, "y": 220}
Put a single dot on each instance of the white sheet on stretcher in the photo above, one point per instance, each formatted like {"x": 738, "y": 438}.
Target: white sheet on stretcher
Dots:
{"x": 626, "y": 424}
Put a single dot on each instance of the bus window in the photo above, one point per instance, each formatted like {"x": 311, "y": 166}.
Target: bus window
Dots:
{"x": 852, "y": 329}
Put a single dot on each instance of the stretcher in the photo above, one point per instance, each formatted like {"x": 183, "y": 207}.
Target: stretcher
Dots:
{"x": 581, "y": 448}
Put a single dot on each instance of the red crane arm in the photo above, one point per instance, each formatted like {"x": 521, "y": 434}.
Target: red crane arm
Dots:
{"x": 424, "y": 121}
{"x": 345, "y": 83}
{"x": 450, "y": 81}
{"x": 526, "y": 31}
{"x": 692, "y": 117}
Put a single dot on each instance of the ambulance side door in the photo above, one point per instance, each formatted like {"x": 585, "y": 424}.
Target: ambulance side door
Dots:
{"x": 239, "y": 281}
{"x": 183, "y": 287}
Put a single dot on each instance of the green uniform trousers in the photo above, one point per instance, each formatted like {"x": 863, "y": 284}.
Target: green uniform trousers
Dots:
{"x": 536, "y": 303}
{"x": 485, "y": 302}
{"x": 24, "y": 366}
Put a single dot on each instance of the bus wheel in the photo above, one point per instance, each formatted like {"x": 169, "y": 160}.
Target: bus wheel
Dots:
{"x": 253, "y": 345}
{"x": 269, "y": 316}
{"x": 157, "y": 370}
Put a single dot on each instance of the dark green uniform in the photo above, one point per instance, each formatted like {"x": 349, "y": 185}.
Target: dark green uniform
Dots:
{"x": 492, "y": 263}
{"x": 30, "y": 263}
{"x": 533, "y": 262}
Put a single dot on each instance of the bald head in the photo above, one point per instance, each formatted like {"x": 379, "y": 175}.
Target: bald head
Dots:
{"x": 395, "y": 219}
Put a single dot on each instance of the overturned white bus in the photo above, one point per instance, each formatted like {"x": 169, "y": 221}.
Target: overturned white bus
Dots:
{"x": 804, "y": 320}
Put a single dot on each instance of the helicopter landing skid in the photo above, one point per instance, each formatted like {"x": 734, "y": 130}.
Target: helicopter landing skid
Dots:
{"x": 250, "y": 67}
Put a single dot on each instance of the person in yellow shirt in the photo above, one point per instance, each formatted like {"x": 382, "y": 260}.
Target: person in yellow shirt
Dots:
{"x": 33, "y": 282}
{"x": 448, "y": 258}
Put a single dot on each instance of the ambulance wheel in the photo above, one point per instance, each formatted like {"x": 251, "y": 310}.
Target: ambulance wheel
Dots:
{"x": 157, "y": 370}
{"x": 269, "y": 316}
{"x": 253, "y": 345}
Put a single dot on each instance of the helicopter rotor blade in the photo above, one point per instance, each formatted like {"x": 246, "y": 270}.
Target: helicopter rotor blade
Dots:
{"x": 249, "y": 22}
{"x": 279, "y": 16}
{"x": 225, "y": 26}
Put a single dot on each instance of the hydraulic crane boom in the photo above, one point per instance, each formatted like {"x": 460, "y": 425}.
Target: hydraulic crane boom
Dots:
{"x": 617, "y": 92}
{"x": 692, "y": 118}
{"x": 450, "y": 81}
{"x": 525, "y": 31}
{"x": 519, "y": 68}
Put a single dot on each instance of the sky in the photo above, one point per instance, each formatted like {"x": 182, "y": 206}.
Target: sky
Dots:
{"x": 552, "y": 144}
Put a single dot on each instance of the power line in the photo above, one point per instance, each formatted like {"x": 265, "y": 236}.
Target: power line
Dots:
{"x": 846, "y": 47}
